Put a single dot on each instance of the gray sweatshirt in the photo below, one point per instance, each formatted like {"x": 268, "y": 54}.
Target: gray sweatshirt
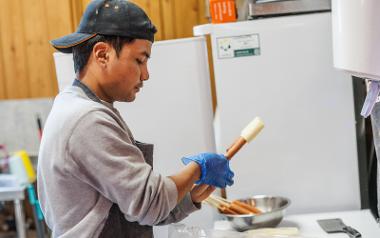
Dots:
{"x": 87, "y": 162}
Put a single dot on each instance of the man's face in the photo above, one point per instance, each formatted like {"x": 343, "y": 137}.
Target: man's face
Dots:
{"x": 124, "y": 75}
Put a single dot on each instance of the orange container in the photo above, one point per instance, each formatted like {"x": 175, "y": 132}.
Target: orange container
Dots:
{"x": 222, "y": 11}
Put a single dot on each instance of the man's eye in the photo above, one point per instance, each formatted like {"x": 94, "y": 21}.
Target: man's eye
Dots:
{"x": 139, "y": 61}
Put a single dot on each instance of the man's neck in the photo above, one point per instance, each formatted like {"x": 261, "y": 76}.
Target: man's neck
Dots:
{"x": 88, "y": 78}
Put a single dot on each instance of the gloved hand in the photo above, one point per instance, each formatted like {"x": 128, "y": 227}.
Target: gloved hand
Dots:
{"x": 215, "y": 169}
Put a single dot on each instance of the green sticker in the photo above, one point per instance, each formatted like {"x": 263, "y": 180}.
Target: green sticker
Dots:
{"x": 246, "y": 52}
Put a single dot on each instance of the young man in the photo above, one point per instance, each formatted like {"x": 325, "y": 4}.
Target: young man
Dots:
{"x": 94, "y": 178}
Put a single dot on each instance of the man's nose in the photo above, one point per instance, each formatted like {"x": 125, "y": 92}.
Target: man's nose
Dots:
{"x": 145, "y": 74}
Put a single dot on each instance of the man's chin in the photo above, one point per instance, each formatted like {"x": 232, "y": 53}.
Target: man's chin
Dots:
{"x": 126, "y": 98}
{"x": 130, "y": 99}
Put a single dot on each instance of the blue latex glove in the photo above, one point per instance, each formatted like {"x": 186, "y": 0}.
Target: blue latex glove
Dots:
{"x": 215, "y": 169}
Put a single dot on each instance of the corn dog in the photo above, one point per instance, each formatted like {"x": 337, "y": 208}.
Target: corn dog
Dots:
{"x": 227, "y": 210}
{"x": 239, "y": 209}
{"x": 252, "y": 209}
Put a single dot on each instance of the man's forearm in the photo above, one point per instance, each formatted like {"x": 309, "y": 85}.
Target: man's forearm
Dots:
{"x": 186, "y": 178}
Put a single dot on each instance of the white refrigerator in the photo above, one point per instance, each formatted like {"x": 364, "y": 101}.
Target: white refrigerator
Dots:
{"x": 281, "y": 69}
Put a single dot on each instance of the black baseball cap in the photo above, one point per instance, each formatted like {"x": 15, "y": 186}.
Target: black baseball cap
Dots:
{"x": 112, "y": 18}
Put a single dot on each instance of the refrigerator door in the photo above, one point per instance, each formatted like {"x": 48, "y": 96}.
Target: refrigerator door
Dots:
{"x": 281, "y": 69}
{"x": 173, "y": 110}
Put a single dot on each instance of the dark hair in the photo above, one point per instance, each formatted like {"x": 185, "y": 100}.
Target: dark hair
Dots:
{"x": 82, "y": 52}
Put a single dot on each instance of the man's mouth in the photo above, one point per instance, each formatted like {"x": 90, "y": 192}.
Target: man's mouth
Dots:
{"x": 138, "y": 87}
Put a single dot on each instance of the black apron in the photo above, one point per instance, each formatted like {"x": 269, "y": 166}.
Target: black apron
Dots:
{"x": 116, "y": 225}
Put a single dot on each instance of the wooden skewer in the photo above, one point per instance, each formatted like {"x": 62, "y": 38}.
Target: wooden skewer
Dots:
{"x": 216, "y": 203}
{"x": 222, "y": 208}
{"x": 213, "y": 200}
{"x": 209, "y": 202}
{"x": 222, "y": 201}
{"x": 213, "y": 203}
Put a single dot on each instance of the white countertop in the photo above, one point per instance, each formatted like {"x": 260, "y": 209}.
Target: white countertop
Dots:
{"x": 362, "y": 221}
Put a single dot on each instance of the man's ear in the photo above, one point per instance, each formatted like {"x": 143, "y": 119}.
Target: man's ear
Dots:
{"x": 101, "y": 51}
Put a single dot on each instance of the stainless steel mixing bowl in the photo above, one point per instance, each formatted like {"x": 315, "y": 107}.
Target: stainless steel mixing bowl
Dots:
{"x": 273, "y": 209}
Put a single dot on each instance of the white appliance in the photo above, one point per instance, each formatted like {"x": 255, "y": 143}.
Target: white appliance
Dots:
{"x": 356, "y": 34}
{"x": 281, "y": 69}
{"x": 173, "y": 110}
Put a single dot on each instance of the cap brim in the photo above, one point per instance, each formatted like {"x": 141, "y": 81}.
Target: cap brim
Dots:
{"x": 66, "y": 43}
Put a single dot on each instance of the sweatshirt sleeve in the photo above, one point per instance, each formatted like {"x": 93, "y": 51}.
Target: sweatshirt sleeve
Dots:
{"x": 103, "y": 156}
{"x": 181, "y": 211}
